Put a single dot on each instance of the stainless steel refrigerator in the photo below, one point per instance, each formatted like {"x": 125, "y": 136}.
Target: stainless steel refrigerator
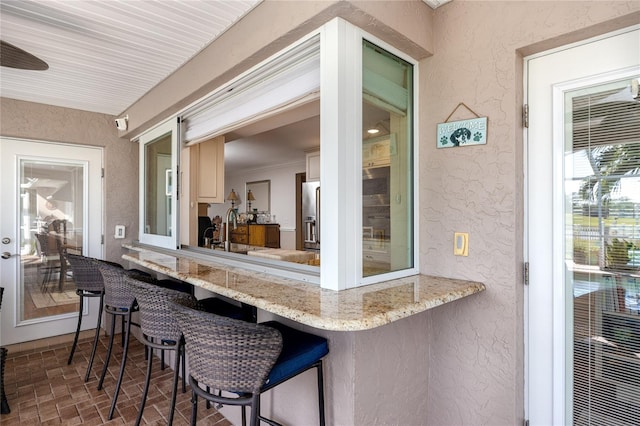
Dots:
{"x": 311, "y": 215}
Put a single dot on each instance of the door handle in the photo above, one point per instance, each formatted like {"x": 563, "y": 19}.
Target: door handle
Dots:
{"x": 7, "y": 255}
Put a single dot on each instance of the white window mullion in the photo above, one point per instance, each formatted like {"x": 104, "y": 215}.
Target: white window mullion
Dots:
{"x": 340, "y": 180}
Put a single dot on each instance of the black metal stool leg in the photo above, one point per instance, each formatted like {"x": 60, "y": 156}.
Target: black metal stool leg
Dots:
{"x": 122, "y": 332}
{"x": 106, "y": 361}
{"x": 174, "y": 390}
{"x": 75, "y": 338}
{"x": 162, "y": 360}
{"x": 95, "y": 339}
{"x": 146, "y": 390}
{"x": 122, "y": 364}
{"x": 320, "y": 394}
{"x": 194, "y": 408}
{"x": 184, "y": 369}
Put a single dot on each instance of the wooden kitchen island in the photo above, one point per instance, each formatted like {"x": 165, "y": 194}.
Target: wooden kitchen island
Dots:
{"x": 377, "y": 368}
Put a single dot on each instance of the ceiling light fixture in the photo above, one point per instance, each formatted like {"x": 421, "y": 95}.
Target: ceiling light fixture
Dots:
{"x": 14, "y": 57}
{"x": 373, "y": 131}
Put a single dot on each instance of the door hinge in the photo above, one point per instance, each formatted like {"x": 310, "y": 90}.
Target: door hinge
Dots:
{"x": 102, "y": 239}
{"x": 525, "y": 273}
{"x": 525, "y": 116}
{"x": 102, "y": 173}
{"x": 525, "y": 422}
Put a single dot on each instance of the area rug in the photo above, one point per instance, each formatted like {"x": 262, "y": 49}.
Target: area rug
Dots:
{"x": 54, "y": 298}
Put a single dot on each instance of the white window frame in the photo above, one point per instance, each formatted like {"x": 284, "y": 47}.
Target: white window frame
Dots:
{"x": 341, "y": 145}
{"x": 171, "y": 241}
{"x": 340, "y": 160}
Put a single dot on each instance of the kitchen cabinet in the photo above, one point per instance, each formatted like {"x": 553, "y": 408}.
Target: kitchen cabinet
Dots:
{"x": 375, "y": 253}
{"x": 376, "y": 152}
{"x": 313, "y": 166}
{"x": 259, "y": 235}
{"x": 267, "y": 235}
{"x": 239, "y": 235}
{"x": 207, "y": 162}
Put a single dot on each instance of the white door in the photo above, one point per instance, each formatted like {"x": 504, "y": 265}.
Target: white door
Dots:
{"x": 583, "y": 206}
{"x": 51, "y": 197}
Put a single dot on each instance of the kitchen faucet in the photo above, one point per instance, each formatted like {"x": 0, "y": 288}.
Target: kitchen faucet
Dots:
{"x": 231, "y": 212}
{"x": 207, "y": 243}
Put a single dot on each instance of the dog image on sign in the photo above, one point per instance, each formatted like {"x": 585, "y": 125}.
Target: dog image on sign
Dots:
{"x": 462, "y": 133}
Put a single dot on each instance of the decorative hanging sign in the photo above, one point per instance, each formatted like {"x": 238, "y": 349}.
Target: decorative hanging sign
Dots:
{"x": 472, "y": 131}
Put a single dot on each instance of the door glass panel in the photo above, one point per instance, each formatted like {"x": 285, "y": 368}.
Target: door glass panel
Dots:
{"x": 51, "y": 221}
{"x": 158, "y": 186}
{"x": 159, "y": 158}
{"x": 387, "y": 162}
{"x": 602, "y": 243}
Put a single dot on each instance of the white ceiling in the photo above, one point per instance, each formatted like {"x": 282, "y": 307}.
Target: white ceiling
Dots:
{"x": 104, "y": 55}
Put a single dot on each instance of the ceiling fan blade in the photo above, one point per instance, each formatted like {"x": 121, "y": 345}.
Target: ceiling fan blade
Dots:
{"x": 14, "y": 57}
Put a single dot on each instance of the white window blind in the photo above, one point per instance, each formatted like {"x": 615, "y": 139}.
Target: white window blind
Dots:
{"x": 291, "y": 79}
{"x": 603, "y": 251}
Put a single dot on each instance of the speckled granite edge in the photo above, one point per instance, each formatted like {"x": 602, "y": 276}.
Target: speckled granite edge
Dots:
{"x": 354, "y": 309}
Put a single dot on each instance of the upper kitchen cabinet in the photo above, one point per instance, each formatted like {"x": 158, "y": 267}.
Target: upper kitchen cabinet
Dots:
{"x": 313, "y": 165}
{"x": 376, "y": 152}
{"x": 207, "y": 171}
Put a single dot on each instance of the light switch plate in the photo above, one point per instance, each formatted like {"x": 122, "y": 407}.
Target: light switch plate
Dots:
{"x": 119, "y": 232}
{"x": 461, "y": 244}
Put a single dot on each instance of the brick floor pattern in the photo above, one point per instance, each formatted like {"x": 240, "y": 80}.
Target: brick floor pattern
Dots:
{"x": 43, "y": 390}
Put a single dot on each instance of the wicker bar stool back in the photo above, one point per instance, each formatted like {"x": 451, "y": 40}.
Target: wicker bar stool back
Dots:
{"x": 160, "y": 330}
{"x": 119, "y": 301}
{"x": 227, "y": 355}
{"x": 89, "y": 284}
{"x": 51, "y": 262}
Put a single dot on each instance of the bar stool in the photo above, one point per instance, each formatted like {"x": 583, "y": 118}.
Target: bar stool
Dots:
{"x": 119, "y": 301}
{"x": 245, "y": 359}
{"x": 159, "y": 331}
{"x": 88, "y": 280}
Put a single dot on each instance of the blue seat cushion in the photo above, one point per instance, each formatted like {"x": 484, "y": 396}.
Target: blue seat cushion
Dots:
{"x": 300, "y": 350}
{"x": 217, "y": 306}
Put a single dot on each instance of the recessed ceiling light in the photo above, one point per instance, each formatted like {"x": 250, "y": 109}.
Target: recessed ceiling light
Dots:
{"x": 373, "y": 131}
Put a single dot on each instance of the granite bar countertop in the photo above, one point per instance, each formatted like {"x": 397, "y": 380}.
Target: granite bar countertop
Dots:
{"x": 354, "y": 309}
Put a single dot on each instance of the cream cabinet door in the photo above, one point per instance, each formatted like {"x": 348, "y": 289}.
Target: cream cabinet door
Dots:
{"x": 209, "y": 165}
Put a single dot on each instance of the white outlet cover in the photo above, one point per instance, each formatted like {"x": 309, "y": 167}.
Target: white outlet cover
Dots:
{"x": 120, "y": 232}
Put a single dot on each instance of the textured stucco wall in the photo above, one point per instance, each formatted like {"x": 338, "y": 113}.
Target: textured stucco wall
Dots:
{"x": 392, "y": 373}
{"x": 477, "y": 353}
{"x": 40, "y": 122}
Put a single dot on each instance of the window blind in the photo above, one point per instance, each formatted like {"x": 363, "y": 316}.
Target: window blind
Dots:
{"x": 604, "y": 241}
{"x": 291, "y": 79}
